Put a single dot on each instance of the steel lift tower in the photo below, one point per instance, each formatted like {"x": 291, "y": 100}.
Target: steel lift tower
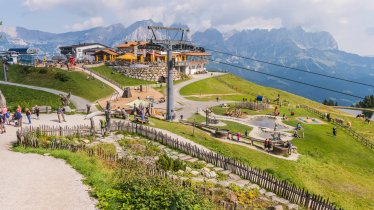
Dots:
{"x": 161, "y": 40}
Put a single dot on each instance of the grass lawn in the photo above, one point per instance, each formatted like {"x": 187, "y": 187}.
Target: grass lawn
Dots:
{"x": 28, "y": 98}
{"x": 120, "y": 78}
{"x": 240, "y": 88}
{"x": 75, "y": 82}
{"x": 338, "y": 168}
{"x": 164, "y": 86}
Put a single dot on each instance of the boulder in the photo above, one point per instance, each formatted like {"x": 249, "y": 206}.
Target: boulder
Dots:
{"x": 195, "y": 173}
{"x": 212, "y": 174}
{"x": 188, "y": 169}
{"x": 277, "y": 207}
{"x": 205, "y": 169}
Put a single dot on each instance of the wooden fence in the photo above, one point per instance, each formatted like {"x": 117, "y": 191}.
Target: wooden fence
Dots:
{"x": 282, "y": 188}
{"x": 364, "y": 141}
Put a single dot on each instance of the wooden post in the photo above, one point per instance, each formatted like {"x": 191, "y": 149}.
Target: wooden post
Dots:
{"x": 193, "y": 128}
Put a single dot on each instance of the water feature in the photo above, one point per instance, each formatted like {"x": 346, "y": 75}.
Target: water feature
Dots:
{"x": 265, "y": 122}
{"x": 357, "y": 112}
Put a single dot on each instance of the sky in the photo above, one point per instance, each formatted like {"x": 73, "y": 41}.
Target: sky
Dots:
{"x": 351, "y": 22}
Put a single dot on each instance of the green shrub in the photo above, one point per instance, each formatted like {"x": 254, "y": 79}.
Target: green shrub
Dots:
{"x": 43, "y": 70}
{"x": 168, "y": 164}
{"x": 62, "y": 77}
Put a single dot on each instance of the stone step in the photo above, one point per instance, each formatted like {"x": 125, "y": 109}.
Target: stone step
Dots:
{"x": 234, "y": 177}
{"x": 226, "y": 172}
{"x": 187, "y": 157}
{"x": 242, "y": 183}
{"x": 192, "y": 160}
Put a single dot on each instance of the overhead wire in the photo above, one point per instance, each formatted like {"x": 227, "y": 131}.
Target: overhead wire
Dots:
{"x": 283, "y": 78}
{"x": 291, "y": 68}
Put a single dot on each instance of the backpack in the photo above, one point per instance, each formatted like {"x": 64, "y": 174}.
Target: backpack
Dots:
{"x": 7, "y": 115}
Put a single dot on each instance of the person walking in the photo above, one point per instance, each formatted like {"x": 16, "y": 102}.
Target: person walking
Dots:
{"x": 3, "y": 112}
{"x": 18, "y": 118}
{"x": 103, "y": 127}
{"x": 59, "y": 114}
{"x": 7, "y": 116}
{"x": 37, "y": 111}
{"x": 28, "y": 115}
{"x": 334, "y": 131}
{"x": 88, "y": 108}
{"x": 238, "y": 136}
{"x": 289, "y": 147}
{"x": 246, "y": 133}
{"x": 270, "y": 145}
{"x": 266, "y": 142}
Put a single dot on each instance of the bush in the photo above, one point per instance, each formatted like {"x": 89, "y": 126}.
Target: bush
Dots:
{"x": 168, "y": 164}
{"x": 43, "y": 71}
{"x": 27, "y": 69}
{"x": 62, "y": 77}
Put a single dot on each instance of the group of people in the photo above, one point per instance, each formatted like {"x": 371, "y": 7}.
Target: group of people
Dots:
{"x": 268, "y": 145}
{"x": 6, "y": 118}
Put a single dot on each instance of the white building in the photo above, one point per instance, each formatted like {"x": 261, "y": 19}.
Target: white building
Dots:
{"x": 77, "y": 51}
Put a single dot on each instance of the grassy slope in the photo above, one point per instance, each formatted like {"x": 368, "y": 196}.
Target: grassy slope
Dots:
{"x": 338, "y": 168}
{"x": 245, "y": 89}
{"x": 28, "y": 98}
{"x": 120, "y": 78}
{"x": 78, "y": 84}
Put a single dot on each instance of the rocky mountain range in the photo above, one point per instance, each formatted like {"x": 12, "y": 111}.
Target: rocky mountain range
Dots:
{"x": 312, "y": 51}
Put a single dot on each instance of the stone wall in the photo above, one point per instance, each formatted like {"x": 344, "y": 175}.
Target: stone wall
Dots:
{"x": 151, "y": 73}
{"x": 2, "y": 99}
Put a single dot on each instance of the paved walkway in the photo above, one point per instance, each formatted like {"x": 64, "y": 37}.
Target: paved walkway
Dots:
{"x": 80, "y": 103}
{"x": 187, "y": 107}
{"x": 31, "y": 181}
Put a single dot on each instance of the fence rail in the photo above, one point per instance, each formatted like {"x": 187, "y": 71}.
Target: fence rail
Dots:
{"x": 283, "y": 188}
{"x": 364, "y": 141}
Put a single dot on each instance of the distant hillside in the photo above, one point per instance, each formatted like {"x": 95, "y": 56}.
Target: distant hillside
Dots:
{"x": 317, "y": 52}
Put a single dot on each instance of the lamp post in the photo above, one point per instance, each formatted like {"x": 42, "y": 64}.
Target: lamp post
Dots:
{"x": 5, "y": 70}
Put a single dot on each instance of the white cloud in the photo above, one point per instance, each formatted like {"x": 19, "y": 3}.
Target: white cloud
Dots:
{"x": 347, "y": 20}
{"x": 35, "y": 5}
{"x": 90, "y": 23}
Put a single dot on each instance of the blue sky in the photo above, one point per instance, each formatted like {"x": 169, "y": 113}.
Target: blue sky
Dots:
{"x": 349, "y": 21}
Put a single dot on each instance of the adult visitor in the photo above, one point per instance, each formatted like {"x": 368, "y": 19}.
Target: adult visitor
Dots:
{"x": 28, "y": 115}
{"x": 37, "y": 111}
{"x": 334, "y": 131}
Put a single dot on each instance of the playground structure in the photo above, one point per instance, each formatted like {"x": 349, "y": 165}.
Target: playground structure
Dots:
{"x": 235, "y": 112}
{"x": 308, "y": 120}
{"x": 253, "y": 105}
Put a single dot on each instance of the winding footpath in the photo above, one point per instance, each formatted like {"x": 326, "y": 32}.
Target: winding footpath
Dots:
{"x": 31, "y": 181}
{"x": 79, "y": 102}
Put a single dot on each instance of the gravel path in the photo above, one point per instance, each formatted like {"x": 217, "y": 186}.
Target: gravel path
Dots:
{"x": 80, "y": 103}
{"x": 31, "y": 181}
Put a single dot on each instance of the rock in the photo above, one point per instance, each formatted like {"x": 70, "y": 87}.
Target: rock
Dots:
{"x": 47, "y": 154}
{"x": 174, "y": 153}
{"x": 269, "y": 194}
{"x": 253, "y": 186}
{"x": 156, "y": 158}
{"x": 86, "y": 141}
{"x": 226, "y": 172}
{"x": 181, "y": 155}
{"x": 209, "y": 165}
{"x": 241, "y": 183}
{"x": 225, "y": 183}
{"x": 173, "y": 157}
{"x": 188, "y": 169}
{"x": 180, "y": 172}
{"x": 212, "y": 174}
{"x": 201, "y": 162}
{"x": 277, "y": 207}
{"x": 234, "y": 177}
{"x": 293, "y": 206}
{"x": 198, "y": 179}
{"x": 262, "y": 191}
{"x": 192, "y": 160}
{"x": 187, "y": 157}
{"x": 231, "y": 196}
{"x": 280, "y": 200}
{"x": 195, "y": 173}
{"x": 218, "y": 169}
{"x": 206, "y": 174}
{"x": 205, "y": 169}
{"x": 183, "y": 178}
{"x": 214, "y": 181}
{"x": 120, "y": 136}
